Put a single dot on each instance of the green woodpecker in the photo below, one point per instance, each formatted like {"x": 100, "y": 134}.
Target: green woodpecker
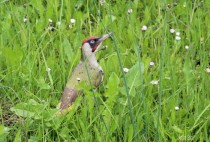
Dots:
{"x": 87, "y": 66}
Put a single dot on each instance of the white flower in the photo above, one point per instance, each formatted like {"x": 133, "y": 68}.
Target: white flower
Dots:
{"x": 130, "y": 11}
{"x": 176, "y": 108}
{"x": 125, "y": 70}
{"x": 72, "y": 21}
{"x": 151, "y": 63}
{"x": 51, "y": 28}
{"x": 208, "y": 70}
{"x": 172, "y": 31}
{"x": 59, "y": 23}
{"x": 50, "y": 20}
{"x": 78, "y": 79}
{"x": 178, "y": 33}
{"x": 186, "y": 47}
{"x": 102, "y": 2}
{"x": 25, "y": 19}
{"x": 154, "y": 82}
{"x": 178, "y": 38}
{"x": 144, "y": 28}
{"x": 48, "y": 70}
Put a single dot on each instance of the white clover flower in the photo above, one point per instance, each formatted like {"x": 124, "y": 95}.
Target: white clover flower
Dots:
{"x": 208, "y": 70}
{"x": 48, "y": 70}
{"x": 72, "y": 21}
{"x": 144, "y": 28}
{"x": 178, "y": 38}
{"x": 172, "y": 31}
{"x": 151, "y": 63}
{"x": 154, "y": 82}
{"x": 176, "y": 108}
{"x": 186, "y": 47}
{"x": 125, "y": 70}
{"x": 130, "y": 11}
{"x": 78, "y": 79}
{"x": 25, "y": 19}
{"x": 59, "y": 23}
{"x": 102, "y": 2}
{"x": 178, "y": 33}
{"x": 50, "y": 20}
{"x": 51, "y": 28}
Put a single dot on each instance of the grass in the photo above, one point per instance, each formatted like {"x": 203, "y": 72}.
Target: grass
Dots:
{"x": 127, "y": 107}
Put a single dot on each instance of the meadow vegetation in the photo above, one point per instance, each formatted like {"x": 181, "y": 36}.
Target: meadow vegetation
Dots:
{"x": 156, "y": 70}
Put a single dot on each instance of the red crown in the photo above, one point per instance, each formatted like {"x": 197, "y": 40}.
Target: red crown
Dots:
{"x": 89, "y": 38}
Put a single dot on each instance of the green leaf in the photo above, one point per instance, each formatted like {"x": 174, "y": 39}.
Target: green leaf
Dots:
{"x": 33, "y": 139}
{"x": 112, "y": 64}
{"x": 132, "y": 91}
{"x": 22, "y": 112}
{"x": 130, "y": 133}
{"x": 133, "y": 75}
{"x": 177, "y": 129}
{"x": 3, "y": 130}
{"x": 12, "y": 56}
{"x": 18, "y": 136}
{"x": 64, "y": 133}
{"x": 107, "y": 19}
{"x": 113, "y": 18}
{"x": 31, "y": 109}
{"x": 82, "y": 126}
{"x": 68, "y": 50}
{"x": 42, "y": 84}
{"x": 98, "y": 134}
{"x": 112, "y": 85}
{"x": 79, "y": 4}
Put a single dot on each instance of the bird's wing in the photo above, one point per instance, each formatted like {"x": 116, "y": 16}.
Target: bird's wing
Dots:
{"x": 68, "y": 97}
{"x": 70, "y": 92}
{"x": 82, "y": 74}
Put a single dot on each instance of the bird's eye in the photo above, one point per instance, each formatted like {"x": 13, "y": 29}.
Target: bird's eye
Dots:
{"x": 92, "y": 41}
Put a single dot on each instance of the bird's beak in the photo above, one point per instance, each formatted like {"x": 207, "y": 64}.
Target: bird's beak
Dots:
{"x": 101, "y": 39}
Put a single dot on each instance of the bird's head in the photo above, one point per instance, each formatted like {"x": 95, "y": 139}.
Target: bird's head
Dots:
{"x": 93, "y": 44}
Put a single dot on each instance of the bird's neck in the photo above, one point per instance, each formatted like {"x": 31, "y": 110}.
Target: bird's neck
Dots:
{"x": 91, "y": 60}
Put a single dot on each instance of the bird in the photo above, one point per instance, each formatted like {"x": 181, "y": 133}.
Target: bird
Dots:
{"x": 88, "y": 71}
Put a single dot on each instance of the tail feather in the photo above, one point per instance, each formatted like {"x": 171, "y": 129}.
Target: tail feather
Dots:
{"x": 68, "y": 98}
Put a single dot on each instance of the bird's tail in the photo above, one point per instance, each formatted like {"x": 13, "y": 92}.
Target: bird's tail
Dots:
{"x": 64, "y": 111}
